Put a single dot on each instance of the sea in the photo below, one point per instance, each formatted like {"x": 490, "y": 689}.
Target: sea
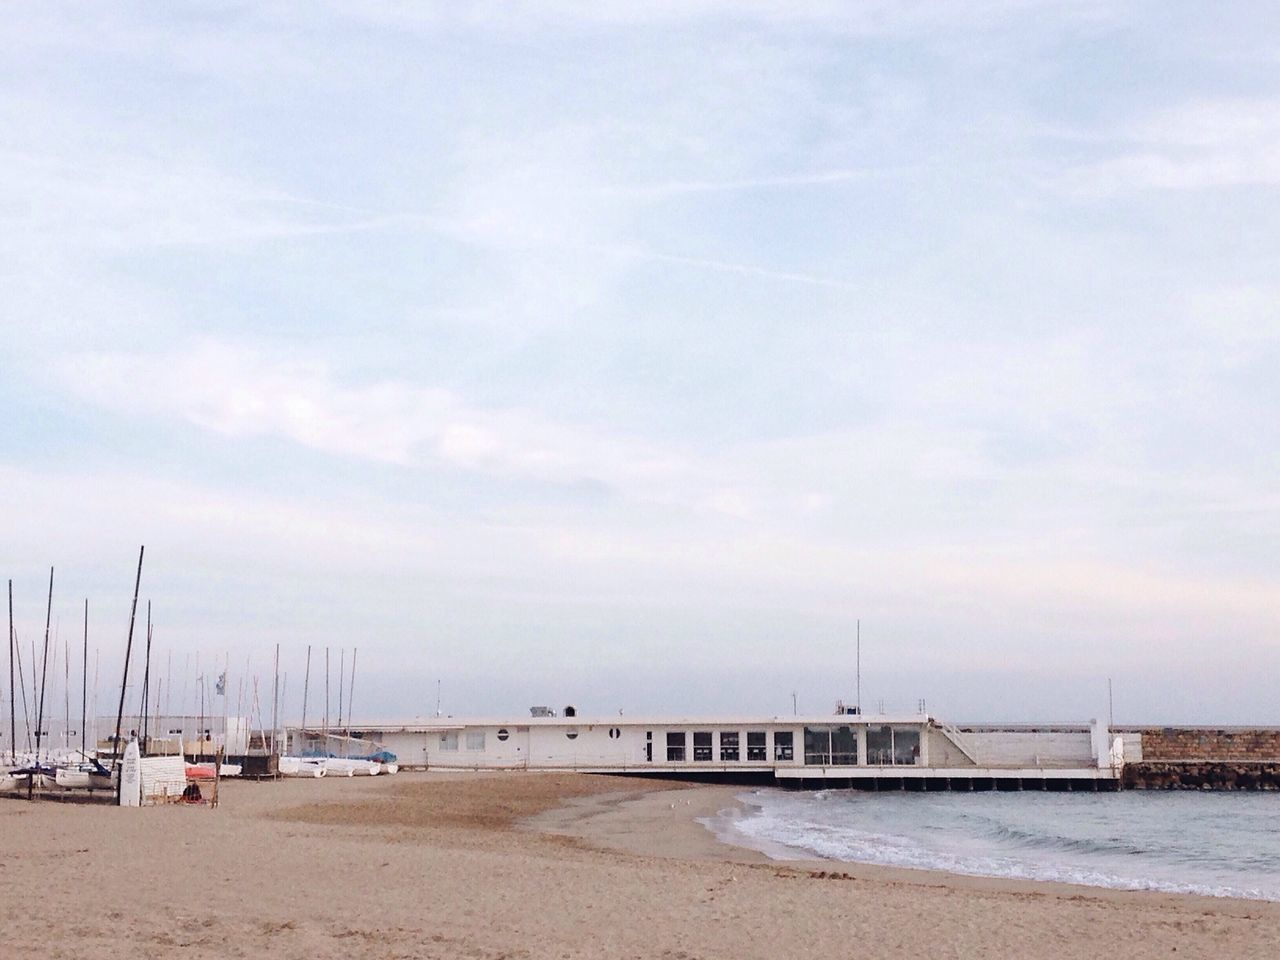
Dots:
{"x": 1217, "y": 844}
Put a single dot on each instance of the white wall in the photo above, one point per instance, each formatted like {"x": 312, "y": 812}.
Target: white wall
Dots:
{"x": 1032, "y": 749}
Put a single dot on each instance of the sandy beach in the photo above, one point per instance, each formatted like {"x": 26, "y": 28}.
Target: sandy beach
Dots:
{"x": 529, "y": 866}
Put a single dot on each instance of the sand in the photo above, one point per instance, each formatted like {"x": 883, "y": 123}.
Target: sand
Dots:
{"x": 529, "y": 866}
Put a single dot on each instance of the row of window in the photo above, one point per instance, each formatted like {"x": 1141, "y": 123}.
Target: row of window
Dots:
{"x": 823, "y": 746}
{"x": 731, "y": 746}
{"x": 838, "y": 746}
{"x": 474, "y": 741}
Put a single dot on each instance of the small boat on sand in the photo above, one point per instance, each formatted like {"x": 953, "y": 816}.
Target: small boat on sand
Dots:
{"x": 310, "y": 767}
{"x": 349, "y": 767}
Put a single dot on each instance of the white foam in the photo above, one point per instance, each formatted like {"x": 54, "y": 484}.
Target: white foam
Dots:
{"x": 808, "y": 826}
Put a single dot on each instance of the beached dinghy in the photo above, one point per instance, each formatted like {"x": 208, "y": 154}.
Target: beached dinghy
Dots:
{"x": 348, "y": 767}
{"x": 207, "y": 770}
{"x": 301, "y": 767}
{"x": 85, "y": 776}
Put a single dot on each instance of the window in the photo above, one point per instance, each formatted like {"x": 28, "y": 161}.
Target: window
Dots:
{"x": 784, "y": 745}
{"x": 572, "y": 733}
{"x": 702, "y": 745}
{"x": 729, "y": 746}
{"x": 879, "y": 745}
{"x": 757, "y": 746}
{"x": 906, "y": 746}
{"x": 504, "y": 733}
{"x": 448, "y": 741}
{"x": 475, "y": 739}
{"x": 614, "y": 733}
{"x": 675, "y": 747}
{"x": 890, "y": 745}
{"x": 817, "y": 746}
{"x": 844, "y": 747}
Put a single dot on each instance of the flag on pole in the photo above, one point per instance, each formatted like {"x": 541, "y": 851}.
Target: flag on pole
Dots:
{"x": 220, "y": 688}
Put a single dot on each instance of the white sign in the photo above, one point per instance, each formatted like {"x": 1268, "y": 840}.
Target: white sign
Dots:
{"x": 131, "y": 776}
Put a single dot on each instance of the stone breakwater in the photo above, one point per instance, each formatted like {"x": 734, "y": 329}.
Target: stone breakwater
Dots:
{"x": 1217, "y": 744}
{"x": 1201, "y": 775}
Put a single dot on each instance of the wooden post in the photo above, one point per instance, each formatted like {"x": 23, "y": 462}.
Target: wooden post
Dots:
{"x": 217, "y": 774}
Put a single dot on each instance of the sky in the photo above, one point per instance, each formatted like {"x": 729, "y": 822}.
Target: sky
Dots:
{"x": 631, "y": 355}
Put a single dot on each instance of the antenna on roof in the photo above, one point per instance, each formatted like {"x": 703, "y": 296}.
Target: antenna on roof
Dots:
{"x": 858, "y": 670}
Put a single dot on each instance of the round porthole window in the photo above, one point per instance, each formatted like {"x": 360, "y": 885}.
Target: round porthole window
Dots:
{"x": 571, "y": 733}
{"x": 614, "y": 733}
{"x": 503, "y": 733}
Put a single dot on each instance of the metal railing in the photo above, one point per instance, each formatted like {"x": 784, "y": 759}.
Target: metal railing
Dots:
{"x": 961, "y": 741}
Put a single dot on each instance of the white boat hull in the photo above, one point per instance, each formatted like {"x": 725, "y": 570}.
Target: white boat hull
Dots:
{"x": 301, "y": 767}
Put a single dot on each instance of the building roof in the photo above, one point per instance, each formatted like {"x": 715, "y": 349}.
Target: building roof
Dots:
{"x": 430, "y": 724}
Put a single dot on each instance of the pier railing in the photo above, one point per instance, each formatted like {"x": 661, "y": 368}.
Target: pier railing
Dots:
{"x": 962, "y": 742}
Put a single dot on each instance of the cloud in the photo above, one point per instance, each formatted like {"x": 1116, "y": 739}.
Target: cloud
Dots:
{"x": 1203, "y": 144}
{"x": 240, "y": 392}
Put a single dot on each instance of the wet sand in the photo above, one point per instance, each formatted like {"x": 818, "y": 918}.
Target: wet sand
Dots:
{"x": 530, "y": 865}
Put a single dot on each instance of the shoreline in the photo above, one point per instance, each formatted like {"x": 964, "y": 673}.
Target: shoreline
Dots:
{"x": 533, "y": 866}
{"x": 655, "y": 824}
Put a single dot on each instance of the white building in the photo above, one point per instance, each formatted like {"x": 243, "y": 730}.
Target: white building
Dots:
{"x": 847, "y": 749}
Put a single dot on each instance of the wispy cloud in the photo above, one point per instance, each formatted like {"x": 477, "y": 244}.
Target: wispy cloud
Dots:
{"x": 1203, "y": 144}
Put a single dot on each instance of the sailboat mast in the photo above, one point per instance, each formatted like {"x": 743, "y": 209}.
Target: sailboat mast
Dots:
{"x": 44, "y": 666}
{"x": 275, "y": 703}
{"x": 66, "y": 695}
{"x": 124, "y": 680}
{"x": 84, "y": 680}
{"x": 146, "y": 684}
{"x": 306, "y": 685}
{"x": 352, "y": 693}
{"x": 22, "y": 685}
{"x": 13, "y": 712}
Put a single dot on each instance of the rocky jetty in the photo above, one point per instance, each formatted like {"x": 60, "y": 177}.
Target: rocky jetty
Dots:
{"x": 1202, "y": 775}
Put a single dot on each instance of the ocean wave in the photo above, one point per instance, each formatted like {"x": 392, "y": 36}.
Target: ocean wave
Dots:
{"x": 1120, "y": 847}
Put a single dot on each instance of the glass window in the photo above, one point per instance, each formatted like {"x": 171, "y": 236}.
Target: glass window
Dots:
{"x": 448, "y": 741}
{"x": 844, "y": 747}
{"x": 503, "y": 733}
{"x": 817, "y": 746}
{"x": 784, "y": 745}
{"x": 879, "y": 745}
{"x": 729, "y": 746}
{"x": 702, "y": 745}
{"x": 475, "y": 739}
{"x": 757, "y": 746}
{"x": 675, "y": 747}
{"x": 906, "y": 746}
